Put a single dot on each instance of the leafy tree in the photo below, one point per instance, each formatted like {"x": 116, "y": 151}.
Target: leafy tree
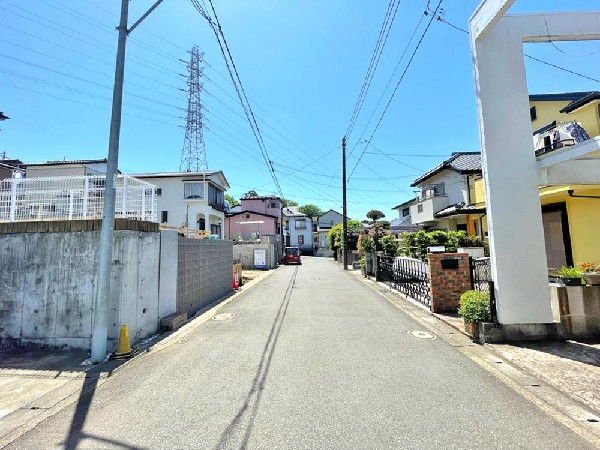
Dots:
{"x": 250, "y": 194}
{"x": 232, "y": 201}
{"x": 364, "y": 244}
{"x": 287, "y": 203}
{"x": 311, "y": 210}
{"x": 375, "y": 215}
{"x": 389, "y": 245}
{"x": 334, "y": 237}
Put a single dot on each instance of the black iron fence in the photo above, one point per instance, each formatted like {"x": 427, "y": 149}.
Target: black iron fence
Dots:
{"x": 481, "y": 280}
{"x": 407, "y": 275}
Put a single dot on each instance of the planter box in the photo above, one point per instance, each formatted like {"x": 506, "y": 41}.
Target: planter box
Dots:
{"x": 473, "y": 252}
{"x": 472, "y": 329}
{"x": 571, "y": 281}
{"x": 592, "y": 278}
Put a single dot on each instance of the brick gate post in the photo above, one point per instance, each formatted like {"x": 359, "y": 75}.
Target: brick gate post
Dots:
{"x": 449, "y": 277}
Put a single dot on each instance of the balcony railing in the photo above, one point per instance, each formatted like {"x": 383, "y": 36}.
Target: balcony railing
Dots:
{"x": 72, "y": 198}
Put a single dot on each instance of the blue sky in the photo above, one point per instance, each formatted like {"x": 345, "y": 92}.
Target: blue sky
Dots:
{"x": 302, "y": 65}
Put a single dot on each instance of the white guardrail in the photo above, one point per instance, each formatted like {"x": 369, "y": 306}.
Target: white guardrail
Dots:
{"x": 76, "y": 197}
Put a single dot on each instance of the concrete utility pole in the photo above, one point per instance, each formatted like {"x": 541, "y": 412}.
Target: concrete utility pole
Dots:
{"x": 344, "y": 217}
{"x": 100, "y": 327}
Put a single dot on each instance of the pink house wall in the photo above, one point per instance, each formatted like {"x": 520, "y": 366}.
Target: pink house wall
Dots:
{"x": 262, "y": 205}
{"x": 233, "y": 225}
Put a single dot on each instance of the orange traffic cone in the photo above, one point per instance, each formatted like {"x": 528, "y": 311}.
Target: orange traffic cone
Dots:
{"x": 235, "y": 283}
{"x": 124, "y": 349}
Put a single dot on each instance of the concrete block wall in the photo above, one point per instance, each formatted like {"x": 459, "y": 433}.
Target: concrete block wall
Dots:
{"x": 447, "y": 285}
{"x": 244, "y": 254}
{"x": 579, "y": 309}
{"x": 204, "y": 275}
{"x": 48, "y": 287}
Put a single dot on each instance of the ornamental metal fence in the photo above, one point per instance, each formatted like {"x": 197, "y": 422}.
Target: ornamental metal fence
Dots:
{"x": 72, "y": 198}
{"x": 481, "y": 280}
{"x": 407, "y": 275}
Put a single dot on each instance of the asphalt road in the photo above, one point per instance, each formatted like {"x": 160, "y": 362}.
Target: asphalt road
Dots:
{"x": 312, "y": 359}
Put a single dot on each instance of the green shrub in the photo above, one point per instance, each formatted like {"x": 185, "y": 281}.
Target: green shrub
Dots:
{"x": 475, "y": 306}
{"x": 570, "y": 272}
{"x": 389, "y": 245}
{"x": 364, "y": 244}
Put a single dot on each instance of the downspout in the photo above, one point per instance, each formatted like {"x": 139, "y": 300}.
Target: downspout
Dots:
{"x": 571, "y": 194}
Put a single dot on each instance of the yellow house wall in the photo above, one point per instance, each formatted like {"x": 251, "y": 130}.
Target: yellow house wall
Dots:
{"x": 584, "y": 220}
{"x": 549, "y": 111}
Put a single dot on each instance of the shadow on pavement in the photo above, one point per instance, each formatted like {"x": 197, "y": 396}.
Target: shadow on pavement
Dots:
{"x": 242, "y": 424}
{"x": 586, "y": 352}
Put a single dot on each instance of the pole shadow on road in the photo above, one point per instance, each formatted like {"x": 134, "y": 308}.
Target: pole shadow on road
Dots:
{"x": 243, "y": 422}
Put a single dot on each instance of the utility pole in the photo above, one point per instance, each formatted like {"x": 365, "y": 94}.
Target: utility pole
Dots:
{"x": 100, "y": 326}
{"x": 344, "y": 217}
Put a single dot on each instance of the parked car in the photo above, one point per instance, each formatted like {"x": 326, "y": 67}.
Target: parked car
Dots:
{"x": 292, "y": 256}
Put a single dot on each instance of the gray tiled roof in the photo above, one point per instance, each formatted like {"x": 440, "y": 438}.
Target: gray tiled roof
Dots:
{"x": 459, "y": 208}
{"x": 462, "y": 162}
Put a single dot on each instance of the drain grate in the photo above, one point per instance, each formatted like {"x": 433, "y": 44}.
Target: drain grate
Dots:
{"x": 423, "y": 335}
{"x": 223, "y": 316}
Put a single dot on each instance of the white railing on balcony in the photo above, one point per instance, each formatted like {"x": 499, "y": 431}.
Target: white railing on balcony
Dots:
{"x": 76, "y": 197}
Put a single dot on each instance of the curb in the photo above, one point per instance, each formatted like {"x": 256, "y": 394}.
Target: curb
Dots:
{"x": 557, "y": 404}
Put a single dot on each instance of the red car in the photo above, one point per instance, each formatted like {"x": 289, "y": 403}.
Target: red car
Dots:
{"x": 291, "y": 255}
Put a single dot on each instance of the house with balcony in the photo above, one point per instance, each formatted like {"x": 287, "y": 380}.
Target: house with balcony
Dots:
{"x": 298, "y": 230}
{"x": 447, "y": 196}
{"x": 193, "y": 200}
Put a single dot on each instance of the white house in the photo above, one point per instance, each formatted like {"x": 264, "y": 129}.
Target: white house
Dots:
{"x": 66, "y": 168}
{"x": 324, "y": 223}
{"x": 195, "y": 200}
{"x": 298, "y": 230}
{"x": 444, "y": 199}
{"x": 404, "y": 220}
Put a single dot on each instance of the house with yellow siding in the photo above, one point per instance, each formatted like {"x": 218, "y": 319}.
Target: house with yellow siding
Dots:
{"x": 570, "y": 213}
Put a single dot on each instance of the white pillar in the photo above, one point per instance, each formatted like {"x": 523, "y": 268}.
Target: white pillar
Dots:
{"x": 517, "y": 247}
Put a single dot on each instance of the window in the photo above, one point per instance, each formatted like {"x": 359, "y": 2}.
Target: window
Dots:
{"x": 193, "y": 189}
{"x": 272, "y": 205}
{"x": 300, "y": 239}
{"x": 201, "y": 223}
{"x": 216, "y": 197}
{"x": 532, "y": 113}
{"x": 300, "y": 224}
{"x": 405, "y": 212}
{"x": 215, "y": 229}
{"x": 159, "y": 192}
{"x": 420, "y": 208}
{"x": 164, "y": 216}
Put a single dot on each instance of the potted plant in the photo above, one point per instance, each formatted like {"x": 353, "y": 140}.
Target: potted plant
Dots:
{"x": 590, "y": 273}
{"x": 474, "y": 308}
{"x": 570, "y": 276}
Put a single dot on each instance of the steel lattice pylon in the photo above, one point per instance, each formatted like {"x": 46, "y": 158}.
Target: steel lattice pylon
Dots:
{"x": 193, "y": 156}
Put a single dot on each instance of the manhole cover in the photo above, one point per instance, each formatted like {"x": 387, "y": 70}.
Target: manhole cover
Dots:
{"x": 422, "y": 335}
{"x": 223, "y": 316}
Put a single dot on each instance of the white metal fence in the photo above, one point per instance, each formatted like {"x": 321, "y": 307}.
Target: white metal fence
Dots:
{"x": 77, "y": 197}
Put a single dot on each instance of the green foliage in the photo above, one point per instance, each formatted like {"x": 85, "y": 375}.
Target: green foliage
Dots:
{"x": 364, "y": 244}
{"x": 570, "y": 272}
{"x": 287, "y": 203}
{"x": 375, "y": 215}
{"x": 310, "y": 210}
{"x": 232, "y": 201}
{"x": 475, "y": 306}
{"x": 389, "y": 245}
{"x": 334, "y": 237}
{"x": 415, "y": 245}
{"x": 251, "y": 194}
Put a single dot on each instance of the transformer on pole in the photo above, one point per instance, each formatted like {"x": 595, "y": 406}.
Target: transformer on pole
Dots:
{"x": 193, "y": 156}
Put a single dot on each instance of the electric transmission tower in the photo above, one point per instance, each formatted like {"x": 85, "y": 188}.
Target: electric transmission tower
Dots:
{"x": 193, "y": 156}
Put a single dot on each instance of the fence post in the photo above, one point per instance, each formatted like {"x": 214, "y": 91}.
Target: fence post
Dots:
{"x": 86, "y": 189}
{"x": 13, "y": 199}
{"x": 124, "y": 197}
{"x": 153, "y": 212}
{"x": 70, "y": 205}
{"x": 472, "y": 271}
{"x": 143, "y": 217}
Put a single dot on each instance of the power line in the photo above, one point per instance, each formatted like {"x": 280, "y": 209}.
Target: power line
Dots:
{"x": 572, "y": 72}
{"x": 397, "y": 86}
{"x": 384, "y": 31}
{"x": 232, "y": 69}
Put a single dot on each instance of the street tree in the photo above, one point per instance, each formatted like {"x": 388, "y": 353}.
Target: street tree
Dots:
{"x": 250, "y": 194}
{"x": 231, "y": 200}
{"x": 375, "y": 215}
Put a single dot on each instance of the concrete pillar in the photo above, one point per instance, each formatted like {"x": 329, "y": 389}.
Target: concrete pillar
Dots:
{"x": 516, "y": 233}
{"x": 168, "y": 267}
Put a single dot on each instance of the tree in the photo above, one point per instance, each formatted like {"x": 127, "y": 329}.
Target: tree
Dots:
{"x": 287, "y": 203}
{"x": 250, "y": 194}
{"x": 311, "y": 210}
{"x": 232, "y": 201}
{"x": 334, "y": 237}
{"x": 375, "y": 215}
